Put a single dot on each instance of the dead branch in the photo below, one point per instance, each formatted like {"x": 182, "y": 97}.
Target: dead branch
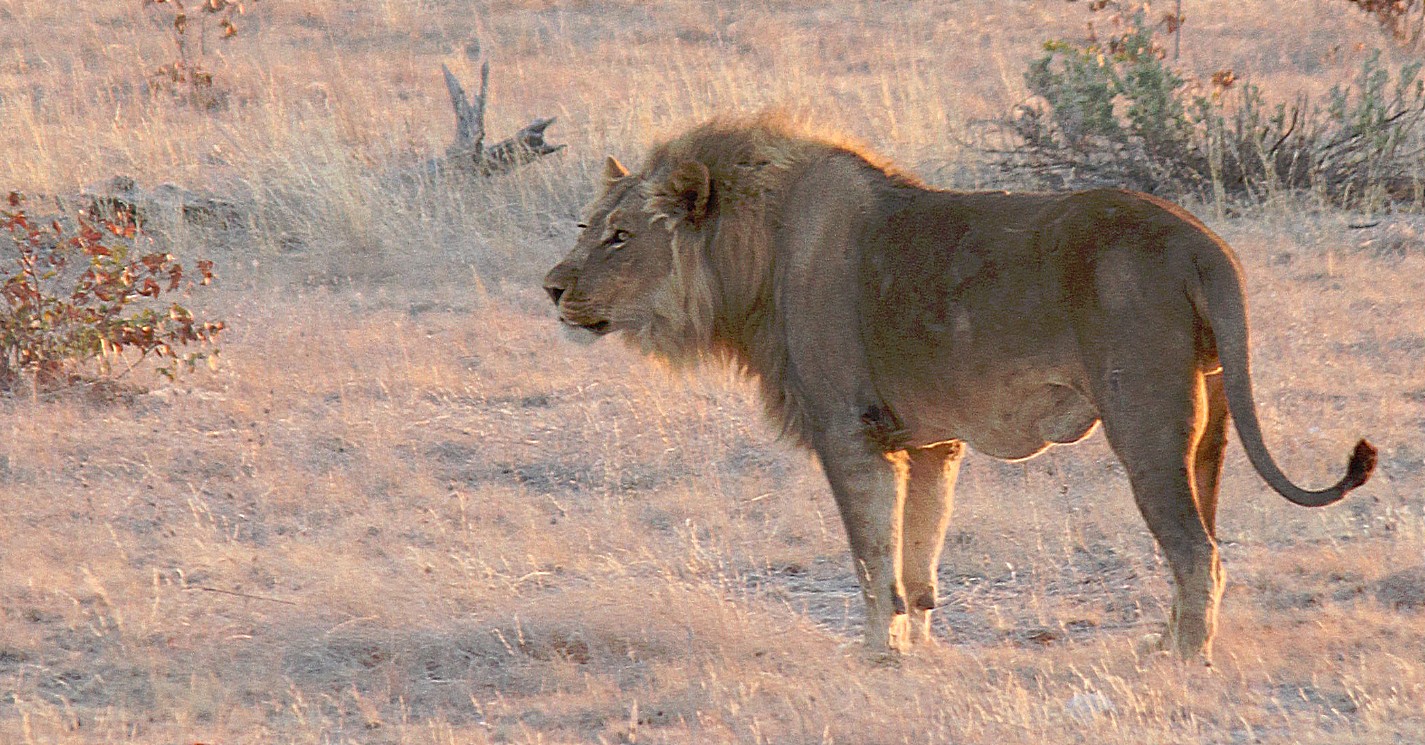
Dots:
{"x": 468, "y": 153}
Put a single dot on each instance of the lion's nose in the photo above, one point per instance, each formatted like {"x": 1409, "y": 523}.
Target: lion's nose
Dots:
{"x": 554, "y": 292}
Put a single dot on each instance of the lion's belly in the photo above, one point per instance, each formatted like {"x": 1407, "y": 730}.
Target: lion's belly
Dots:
{"x": 1051, "y": 415}
{"x": 966, "y": 329}
{"x": 1012, "y": 424}
{"x": 1007, "y": 387}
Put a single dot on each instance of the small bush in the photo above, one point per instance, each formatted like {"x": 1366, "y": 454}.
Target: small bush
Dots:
{"x": 1114, "y": 112}
{"x": 87, "y": 296}
{"x": 187, "y": 76}
{"x": 1401, "y": 20}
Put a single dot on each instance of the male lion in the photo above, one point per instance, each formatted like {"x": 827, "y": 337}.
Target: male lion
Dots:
{"x": 889, "y": 324}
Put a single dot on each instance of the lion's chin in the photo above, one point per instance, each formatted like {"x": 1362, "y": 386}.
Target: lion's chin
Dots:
{"x": 580, "y": 335}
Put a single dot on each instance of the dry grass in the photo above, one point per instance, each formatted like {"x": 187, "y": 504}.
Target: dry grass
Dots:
{"x": 402, "y": 512}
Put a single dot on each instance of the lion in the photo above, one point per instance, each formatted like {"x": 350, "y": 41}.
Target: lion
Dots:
{"x": 890, "y": 325}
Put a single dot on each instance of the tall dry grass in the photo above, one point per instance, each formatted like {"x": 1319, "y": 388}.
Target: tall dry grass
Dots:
{"x": 402, "y": 512}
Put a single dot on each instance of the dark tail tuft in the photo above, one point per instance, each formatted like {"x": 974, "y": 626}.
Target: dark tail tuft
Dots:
{"x": 1363, "y": 461}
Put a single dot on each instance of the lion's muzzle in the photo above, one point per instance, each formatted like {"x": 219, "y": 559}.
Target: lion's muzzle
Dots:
{"x": 586, "y": 328}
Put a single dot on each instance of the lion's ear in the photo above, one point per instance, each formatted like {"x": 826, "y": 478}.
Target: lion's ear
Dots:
{"x": 687, "y": 193}
{"x": 613, "y": 170}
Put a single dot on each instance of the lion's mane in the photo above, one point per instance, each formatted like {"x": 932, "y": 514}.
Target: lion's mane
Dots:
{"x": 726, "y": 270}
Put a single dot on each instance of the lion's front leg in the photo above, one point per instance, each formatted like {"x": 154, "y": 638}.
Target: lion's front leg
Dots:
{"x": 928, "y": 495}
{"x": 864, "y": 482}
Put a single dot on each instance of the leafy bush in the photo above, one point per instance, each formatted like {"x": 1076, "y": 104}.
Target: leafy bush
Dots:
{"x": 1114, "y": 112}
{"x": 87, "y": 295}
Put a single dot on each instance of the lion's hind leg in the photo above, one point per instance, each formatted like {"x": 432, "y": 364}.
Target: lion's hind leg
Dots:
{"x": 1158, "y": 446}
{"x": 1207, "y": 459}
{"x": 929, "y": 494}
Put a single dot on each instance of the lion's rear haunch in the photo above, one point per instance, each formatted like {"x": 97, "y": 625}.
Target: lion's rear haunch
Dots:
{"x": 889, "y": 324}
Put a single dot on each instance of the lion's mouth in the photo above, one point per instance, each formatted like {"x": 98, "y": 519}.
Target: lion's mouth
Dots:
{"x": 598, "y": 327}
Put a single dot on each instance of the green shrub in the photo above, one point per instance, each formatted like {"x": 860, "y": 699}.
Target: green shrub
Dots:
{"x": 82, "y": 297}
{"x": 1115, "y": 112}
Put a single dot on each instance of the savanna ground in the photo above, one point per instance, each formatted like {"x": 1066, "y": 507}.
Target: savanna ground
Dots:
{"x": 402, "y": 511}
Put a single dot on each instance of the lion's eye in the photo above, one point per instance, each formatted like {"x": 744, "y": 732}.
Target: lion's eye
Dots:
{"x": 582, "y": 226}
{"x": 618, "y": 238}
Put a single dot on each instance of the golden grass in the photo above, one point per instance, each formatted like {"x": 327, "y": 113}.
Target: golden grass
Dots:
{"x": 403, "y": 512}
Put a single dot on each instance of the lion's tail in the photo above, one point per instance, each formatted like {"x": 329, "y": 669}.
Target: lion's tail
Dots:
{"x": 1226, "y": 313}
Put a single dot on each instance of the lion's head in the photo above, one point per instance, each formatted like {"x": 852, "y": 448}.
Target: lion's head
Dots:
{"x": 679, "y": 256}
{"x": 643, "y": 263}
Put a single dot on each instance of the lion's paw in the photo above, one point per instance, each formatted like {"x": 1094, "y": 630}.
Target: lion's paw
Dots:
{"x": 889, "y": 658}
